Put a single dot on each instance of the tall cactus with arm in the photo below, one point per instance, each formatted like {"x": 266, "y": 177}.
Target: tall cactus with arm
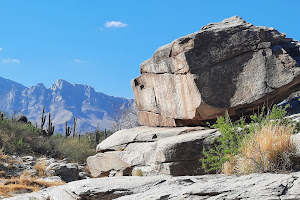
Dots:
{"x": 43, "y": 118}
{"x": 68, "y": 130}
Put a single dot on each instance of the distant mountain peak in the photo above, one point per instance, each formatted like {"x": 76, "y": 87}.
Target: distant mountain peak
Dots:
{"x": 64, "y": 100}
{"x": 60, "y": 83}
{"x": 40, "y": 85}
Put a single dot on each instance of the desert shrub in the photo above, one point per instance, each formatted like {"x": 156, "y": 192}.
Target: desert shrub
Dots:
{"x": 235, "y": 136}
{"x": 267, "y": 150}
{"x": 14, "y": 135}
{"x": 228, "y": 144}
{"x": 75, "y": 149}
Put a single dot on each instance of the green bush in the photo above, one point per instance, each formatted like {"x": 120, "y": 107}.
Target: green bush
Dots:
{"x": 74, "y": 149}
{"x": 226, "y": 145}
{"x": 14, "y": 136}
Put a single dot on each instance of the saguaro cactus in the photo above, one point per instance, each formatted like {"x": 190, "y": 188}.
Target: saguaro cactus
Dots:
{"x": 74, "y": 125}
{"x": 50, "y": 130}
{"x": 1, "y": 116}
{"x": 68, "y": 130}
{"x": 79, "y": 135}
{"x": 97, "y": 134}
{"x": 43, "y": 118}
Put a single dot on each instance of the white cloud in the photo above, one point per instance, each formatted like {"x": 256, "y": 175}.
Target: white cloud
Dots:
{"x": 76, "y": 60}
{"x": 1, "y": 49}
{"x": 115, "y": 24}
{"x": 10, "y": 60}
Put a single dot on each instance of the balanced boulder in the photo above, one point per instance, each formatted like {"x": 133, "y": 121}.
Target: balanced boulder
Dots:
{"x": 229, "y": 66}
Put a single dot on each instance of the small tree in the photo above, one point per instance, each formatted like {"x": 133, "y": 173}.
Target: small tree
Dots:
{"x": 125, "y": 118}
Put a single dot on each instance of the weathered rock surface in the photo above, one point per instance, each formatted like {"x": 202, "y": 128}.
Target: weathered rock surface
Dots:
{"x": 152, "y": 151}
{"x": 67, "y": 171}
{"x": 232, "y": 65}
{"x": 254, "y": 186}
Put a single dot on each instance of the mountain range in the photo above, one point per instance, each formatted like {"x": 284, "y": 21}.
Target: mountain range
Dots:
{"x": 64, "y": 101}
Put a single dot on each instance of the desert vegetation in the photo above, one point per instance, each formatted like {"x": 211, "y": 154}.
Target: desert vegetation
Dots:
{"x": 22, "y": 138}
{"x": 18, "y": 137}
{"x": 263, "y": 145}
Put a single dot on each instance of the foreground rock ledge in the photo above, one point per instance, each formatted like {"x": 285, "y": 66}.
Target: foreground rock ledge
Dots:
{"x": 152, "y": 151}
{"x": 232, "y": 65}
{"x": 254, "y": 186}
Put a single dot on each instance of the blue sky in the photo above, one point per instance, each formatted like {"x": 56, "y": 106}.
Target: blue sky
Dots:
{"x": 102, "y": 43}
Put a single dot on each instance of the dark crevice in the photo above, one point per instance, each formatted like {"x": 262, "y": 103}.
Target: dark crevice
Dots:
{"x": 107, "y": 195}
{"x": 165, "y": 197}
{"x": 173, "y": 161}
{"x": 185, "y": 40}
{"x": 170, "y": 54}
{"x": 288, "y": 186}
{"x": 160, "y": 182}
{"x": 106, "y": 150}
{"x": 210, "y": 194}
{"x": 136, "y": 83}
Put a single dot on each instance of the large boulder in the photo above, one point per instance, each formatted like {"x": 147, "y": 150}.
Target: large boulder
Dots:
{"x": 232, "y": 65}
{"x": 152, "y": 151}
{"x": 251, "y": 187}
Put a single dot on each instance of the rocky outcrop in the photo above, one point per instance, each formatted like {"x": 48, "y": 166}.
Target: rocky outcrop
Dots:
{"x": 152, "y": 151}
{"x": 232, "y": 65}
{"x": 254, "y": 186}
{"x": 14, "y": 166}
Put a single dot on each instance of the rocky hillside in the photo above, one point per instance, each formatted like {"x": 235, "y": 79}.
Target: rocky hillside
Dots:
{"x": 64, "y": 100}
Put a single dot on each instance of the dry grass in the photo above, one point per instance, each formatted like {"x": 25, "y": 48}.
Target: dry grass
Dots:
{"x": 6, "y": 158}
{"x": 137, "y": 172}
{"x": 268, "y": 150}
{"x": 25, "y": 182}
{"x": 229, "y": 166}
{"x": 87, "y": 169}
{"x": 40, "y": 167}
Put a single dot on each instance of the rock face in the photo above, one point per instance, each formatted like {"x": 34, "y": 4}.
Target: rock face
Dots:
{"x": 232, "y": 65}
{"x": 152, "y": 151}
{"x": 254, "y": 186}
